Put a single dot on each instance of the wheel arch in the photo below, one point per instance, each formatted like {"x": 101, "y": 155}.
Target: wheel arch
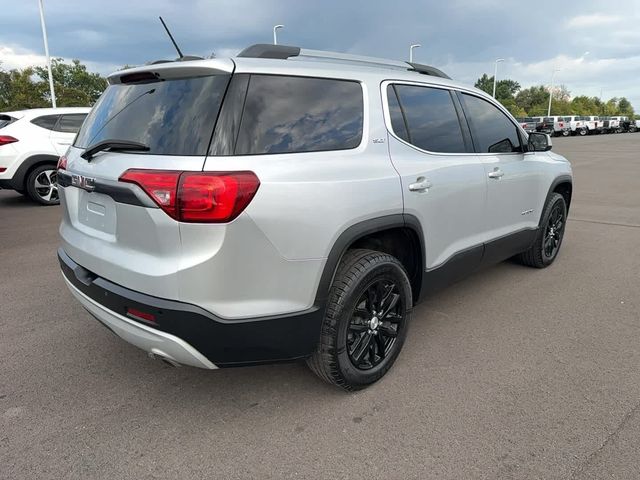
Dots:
{"x": 27, "y": 165}
{"x": 564, "y": 186}
{"x": 399, "y": 235}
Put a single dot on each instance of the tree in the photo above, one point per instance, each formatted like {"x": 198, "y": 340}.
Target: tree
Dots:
{"x": 74, "y": 85}
{"x": 533, "y": 100}
{"x": 504, "y": 88}
{"x": 625, "y": 107}
{"x": 18, "y": 91}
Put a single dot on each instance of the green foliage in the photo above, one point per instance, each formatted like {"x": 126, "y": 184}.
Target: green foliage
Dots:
{"x": 29, "y": 87}
{"x": 534, "y": 101}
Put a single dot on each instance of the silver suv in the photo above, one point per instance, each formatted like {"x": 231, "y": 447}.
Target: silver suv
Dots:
{"x": 293, "y": 204}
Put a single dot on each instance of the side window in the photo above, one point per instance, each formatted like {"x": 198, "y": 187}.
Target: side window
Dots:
{"x": 46, "y": 121}
{"x": 70, "y": 123}
{"x": 492, "y": 130}
{"x": 285, "y": 114}
{"x": 431, "y": 119}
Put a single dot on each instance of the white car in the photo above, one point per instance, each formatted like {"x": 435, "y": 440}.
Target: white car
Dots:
{"x": 577, "y": 125}
{"x": 31, "y": 141}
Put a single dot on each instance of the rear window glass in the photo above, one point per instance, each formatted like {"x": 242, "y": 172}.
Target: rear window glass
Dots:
{"x": 171, "y": 117}
{"x": 70, "y": 123}
{"x": 46, "y": 121}
{"x": 284, "y": 114}
{"x": 6, "y": 120}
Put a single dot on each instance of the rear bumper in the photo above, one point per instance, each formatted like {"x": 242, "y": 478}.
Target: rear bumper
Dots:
{"x": 189, "y": 334}
{"x": 7, "y": 183}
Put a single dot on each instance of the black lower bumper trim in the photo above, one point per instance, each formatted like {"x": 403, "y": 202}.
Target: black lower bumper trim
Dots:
{"x": 224, "y": 342}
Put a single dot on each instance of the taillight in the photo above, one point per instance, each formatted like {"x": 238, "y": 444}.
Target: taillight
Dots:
{"x": 7, "y": 139}
{"x": 197, "y": 197}
{"x": 62, "y": 163}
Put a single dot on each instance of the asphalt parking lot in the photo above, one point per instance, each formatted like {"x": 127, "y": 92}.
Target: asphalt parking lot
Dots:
{"x": 512, "y": 373}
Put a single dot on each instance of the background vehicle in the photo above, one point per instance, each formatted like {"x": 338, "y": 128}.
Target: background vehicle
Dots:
{"x": 555, "y": 126}
{"x": 634, "y": 125}
{"x": 301, "y": 211}
{"x": 577, "y": 125}
{"x": 527, "y": 123}
{"x": 31, "y": 141}
{"x": 593, "y": 124}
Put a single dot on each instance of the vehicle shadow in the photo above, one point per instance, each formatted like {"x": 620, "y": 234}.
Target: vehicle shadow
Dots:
{"x": 9, "y": 198}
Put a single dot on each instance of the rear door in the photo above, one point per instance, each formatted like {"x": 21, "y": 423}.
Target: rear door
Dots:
{"x": 65, "y": 130}
{"x": 113, "y": 228}
{"x": 514, "y": 177}
{"x": 443, "y": 181}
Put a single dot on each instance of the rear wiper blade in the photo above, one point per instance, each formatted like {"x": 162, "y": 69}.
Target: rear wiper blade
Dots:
{"x": 113, "y": 146}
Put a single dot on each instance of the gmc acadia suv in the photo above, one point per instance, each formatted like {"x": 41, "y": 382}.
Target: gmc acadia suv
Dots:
{"x": 295, "y": 204}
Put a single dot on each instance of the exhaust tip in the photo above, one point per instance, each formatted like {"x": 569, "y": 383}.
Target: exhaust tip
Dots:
{"x": 158, "y": 355}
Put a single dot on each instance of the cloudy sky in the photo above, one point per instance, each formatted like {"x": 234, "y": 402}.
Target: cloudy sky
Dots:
{"x": 596, "y": 46}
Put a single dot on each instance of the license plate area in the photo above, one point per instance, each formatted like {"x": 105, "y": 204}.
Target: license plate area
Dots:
{"x": 97, "y": 212}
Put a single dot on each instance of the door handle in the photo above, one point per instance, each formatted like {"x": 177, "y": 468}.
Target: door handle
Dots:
{"x": 497, "y": 173}
{"x": 421, "y": 185}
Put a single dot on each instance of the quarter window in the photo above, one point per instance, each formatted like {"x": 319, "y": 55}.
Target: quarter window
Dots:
{"x": 285, "y": 114}
{"x": 492, "y": 130}
{"x": 430, "y": 116}
{"x": 70, "y": 123}
{"x": 46, "y": 121}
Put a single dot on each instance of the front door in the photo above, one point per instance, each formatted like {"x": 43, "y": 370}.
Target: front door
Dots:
{"x": 514, "y": 178}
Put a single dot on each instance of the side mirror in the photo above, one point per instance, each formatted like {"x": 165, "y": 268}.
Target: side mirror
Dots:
{"x": 539, "y": 142}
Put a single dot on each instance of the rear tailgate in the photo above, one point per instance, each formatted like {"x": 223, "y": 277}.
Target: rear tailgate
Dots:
{"x": 112, "y": 228}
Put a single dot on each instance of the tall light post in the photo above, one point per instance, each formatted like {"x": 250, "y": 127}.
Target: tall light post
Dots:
{"x": 275, "y": 33}
{"x": 553, "y": 74}
{"x": 495, "y": 75}
{"x": 415, "y": 45}
{"x": 46, "y": 52}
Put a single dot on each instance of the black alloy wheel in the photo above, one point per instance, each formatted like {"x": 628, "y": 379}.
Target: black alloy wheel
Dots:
{"x": 375, "y": 324}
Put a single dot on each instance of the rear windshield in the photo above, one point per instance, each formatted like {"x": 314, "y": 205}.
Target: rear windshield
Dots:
{"x": 6, "y": 120}
{"x": 171, "y": 117}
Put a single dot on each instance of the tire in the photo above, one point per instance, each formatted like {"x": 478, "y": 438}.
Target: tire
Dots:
{"x": 366, "y": 281}
{"x": 583, "y": 131}
{"x": 41, "y": 185}
{"x": 546, "y": 246}
{"x": 566, "y": 133}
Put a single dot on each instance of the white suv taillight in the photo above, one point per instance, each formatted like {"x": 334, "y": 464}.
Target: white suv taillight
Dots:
{"x": 197, "y": 197}
{"x": 7, "y": 139}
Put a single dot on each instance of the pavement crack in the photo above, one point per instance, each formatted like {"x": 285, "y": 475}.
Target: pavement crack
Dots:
{"x": 615, "y": 224}
{"x": 610, "y": 437}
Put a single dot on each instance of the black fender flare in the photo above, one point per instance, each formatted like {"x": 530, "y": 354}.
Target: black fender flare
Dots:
{"x": 357, "y": 231}
{"x": 27, "y": 164}
{"x": 557, "y": 181}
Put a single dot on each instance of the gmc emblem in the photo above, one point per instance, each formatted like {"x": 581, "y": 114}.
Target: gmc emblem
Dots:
{"x": 85, "y": 183}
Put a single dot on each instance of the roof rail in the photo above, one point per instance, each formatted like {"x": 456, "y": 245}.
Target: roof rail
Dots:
{"x": 283, "y": 52}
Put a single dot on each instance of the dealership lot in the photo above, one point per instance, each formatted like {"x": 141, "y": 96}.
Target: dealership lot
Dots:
{"x": 512, "y": 373}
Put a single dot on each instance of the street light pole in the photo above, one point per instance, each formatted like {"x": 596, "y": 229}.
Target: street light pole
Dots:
{"x": 553, "y": 74}
{"x": 495, "y": 75}
{"x": 46, "y": 52}
{"x": 275, "y": 33}
{"x": 415, "y": 45}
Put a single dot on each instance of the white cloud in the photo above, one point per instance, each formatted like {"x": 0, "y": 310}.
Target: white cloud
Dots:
{"x": 584, "y": 75}
{"x": 16, "y": 57}
{"x": 593, "y": 20}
